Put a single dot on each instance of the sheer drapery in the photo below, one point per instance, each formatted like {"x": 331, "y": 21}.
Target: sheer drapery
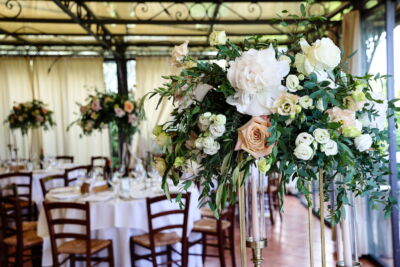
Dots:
{"x": 148, "y": 75}
{"x": 351, "y": 40}
{"x": 61, "y": 83}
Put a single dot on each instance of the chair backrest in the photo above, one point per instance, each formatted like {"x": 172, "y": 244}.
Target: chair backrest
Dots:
{"x": 84, "y": 168}
{"x": 102, "y": 159}
{"x": 45, "y": 181}
{"x": 66, "y": 158}
{"x": 179, "y": 225}
{"x": 23, "y": 183}
{"x": 56, "y": 224}
{"x": 10, "y": 214}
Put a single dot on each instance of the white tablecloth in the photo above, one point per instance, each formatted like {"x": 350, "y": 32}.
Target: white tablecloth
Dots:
{"x": 119, "y": 220}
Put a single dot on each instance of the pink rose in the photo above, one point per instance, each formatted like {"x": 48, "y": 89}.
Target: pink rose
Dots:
{"x": 96, "y": 106}
{"x": 128, "y": 106}
{"x": 252, "y": 137}
{"x": 132, "y": 119}
{"x": 119, "y": 112}
{"x": 39, "y": 118}
{"x": 345, "y": 117}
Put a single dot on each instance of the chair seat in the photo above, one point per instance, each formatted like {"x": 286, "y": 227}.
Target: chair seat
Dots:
{"x": 30, "y": 239}
{"x": 22, "y": 203}
{"x": 79, "y": 246}
{"x": 161, "y": 239}
{"x": 28, "y": 226}
{"x": 207, "y": 212}
{"x": 209, "y": 225}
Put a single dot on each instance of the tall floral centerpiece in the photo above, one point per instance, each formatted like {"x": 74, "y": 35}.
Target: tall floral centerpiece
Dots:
{"x": 29, "y": 115}
{"x": 264, "y": 110}
{"x": 104, "y": 109}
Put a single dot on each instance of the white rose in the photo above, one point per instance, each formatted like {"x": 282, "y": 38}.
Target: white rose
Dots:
{"x": 321, "y": 135}
{"x": 304, "y": 138}
{"x": 378, "y": 122}
{"x": 257, "y": 78}
{"x": 292, "y": 82}
{"x": 285, "y": 58}
{"x": 217, "y": 130}
{"x": 306, "y": 102}
{"x": 204, "y": 121}
{"x": 179, "y": 52}
{"x": 211, "y": 149}
{"x": 330, "y": 148}
{"x": 363, "y": 142}
{"x": 323, "y": 54}
{"x": 219, "y": 119}
{"x": 304, "y": 152}
{"x": 218, "y": 38}
{"x": 302, "y": 64}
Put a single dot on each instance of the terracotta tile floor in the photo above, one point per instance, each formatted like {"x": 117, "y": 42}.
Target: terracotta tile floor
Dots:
{"x": 288, "y": 241}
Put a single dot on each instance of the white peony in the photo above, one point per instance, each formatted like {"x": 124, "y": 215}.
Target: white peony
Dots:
{"x": 217, "y": 130}
{"x": 204, "y": 121}
{"x": 219, "y": 119}
{"x": 378, "y": 122}
{"x": 218, "y": 38}
{"x": 179, "y": 52}
{"x": 321, "y": 135}
{"x": 330, "y": 148}
{"x": 306, "y": 102}
{"x": 304, "y": 152}
{"x": 256, "y": 76}
{"x": 292, "y": 83}
{"x": 363, "y": 142}
{"x": 304, "y": 138}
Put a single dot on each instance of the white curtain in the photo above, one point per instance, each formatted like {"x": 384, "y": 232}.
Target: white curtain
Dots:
{"x": 15, "y": 86}
{"x": 60, "y": 83}
{"x": 149, "y": 72}
{"x": 351, "y": 40}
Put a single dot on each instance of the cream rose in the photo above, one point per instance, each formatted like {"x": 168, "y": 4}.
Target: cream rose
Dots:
{"x": 252, "y": 137}
{"x": 304, "y": 138}
{"x": 218, "y": 38}
{"x": 285, "y": 104}
{"x": 257, "y": 78}
{"x": 292, "y": 83}
{"x": 363, "y": 142}
{"x": 179, "y": 52}
{"x": 321, "y": 135}
{"x": 303, "y": 152}
{"x": 306, "y": 102}
{"x": 330, "y": 148}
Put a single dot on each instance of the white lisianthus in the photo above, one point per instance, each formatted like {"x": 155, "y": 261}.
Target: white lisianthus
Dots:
{"x": 321, "y": 135}
{"x": 304, "y": 138}
{"x": 204, "y": 121}
{"x": 363, "y": 142}
{"x": 306, "y": 102}
{"x": 218, "y": 38}
{"x": 286, "y": 104}
{"x": 210, "y": 146}
{"x": 285, "y": 58}
{"x": 198, "y": 143}
{"x": 292, "y": 83}
{"x": 330, "y": 148}
{"x": 304, "y": 152}
{"x": 217, "y": 130}
{"x": 257, "y": 78}
{"x": 179, "y": 52}
{"x": 320, "y": 104}
{"x": 207, "y": 142}
{"x": 219, "y": 119}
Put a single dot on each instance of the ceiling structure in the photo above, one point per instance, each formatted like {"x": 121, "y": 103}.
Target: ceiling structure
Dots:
{"x": 146, "y": 27}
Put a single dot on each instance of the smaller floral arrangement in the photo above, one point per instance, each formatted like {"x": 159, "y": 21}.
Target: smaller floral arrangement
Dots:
{"x": 29, "y": 115}
{"x": 101, "y": 109}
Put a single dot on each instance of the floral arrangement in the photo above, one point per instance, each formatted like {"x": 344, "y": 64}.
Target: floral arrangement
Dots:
{"x": 102, "y": 109}
{"x": 28, "y": 115}
{"x": 291, "y": 111}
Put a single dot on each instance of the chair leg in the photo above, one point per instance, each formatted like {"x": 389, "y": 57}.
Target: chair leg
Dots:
{"x": 111, "y": 255}
{"x": 221, "y": 248}
{"x": 204, "y": 248}
{"x": 185, "y": 252}
{"x": 169, "y": 256}
{"x": 232, "y": 246}
{"x": 72, "y": 260}
{"x": 36, "y": 252}
{"x": 132, "y": 248}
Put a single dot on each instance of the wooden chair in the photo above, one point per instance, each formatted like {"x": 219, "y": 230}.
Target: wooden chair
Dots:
{"x": 273, "y": 197}
{"x": 103, "y": 159}
{"x": 81, "y": 244}
{"x": 23, "y": 182}
{"x": 66, "y": 158}
{"x": 85, "y": 168}
{"x": 223, "y": 229}
{"x": 19, "y": 240}
{"x": 157, "y": 237}
{"x": 51, "y": 178}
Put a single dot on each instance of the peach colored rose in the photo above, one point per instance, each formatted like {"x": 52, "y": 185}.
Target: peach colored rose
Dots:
{"x": 252, "y": 135}
{"x": 44, "y": 110}
{"x": 128, "y": 106}
{"x": 345, "y": 117}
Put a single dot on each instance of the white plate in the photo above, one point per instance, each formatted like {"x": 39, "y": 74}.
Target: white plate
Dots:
{"x": 66, "y": 196}
{"x": 62, "y": 190}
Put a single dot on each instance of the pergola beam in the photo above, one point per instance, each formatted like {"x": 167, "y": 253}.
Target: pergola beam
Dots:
{"x": 14, "y": 35}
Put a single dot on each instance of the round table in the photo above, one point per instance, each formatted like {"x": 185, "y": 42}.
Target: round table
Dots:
{"x": 119, "y": 220}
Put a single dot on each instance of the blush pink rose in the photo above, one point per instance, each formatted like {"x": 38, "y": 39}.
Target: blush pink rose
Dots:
{"x": 345, "y": 117}
{"x": 252, "y": 137}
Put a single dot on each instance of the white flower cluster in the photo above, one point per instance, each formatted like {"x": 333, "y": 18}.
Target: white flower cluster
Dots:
{"x": 307, "y": 144}
{"x": 212, "y": 127}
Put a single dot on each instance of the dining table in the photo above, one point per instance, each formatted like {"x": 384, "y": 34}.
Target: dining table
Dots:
{"x": 118, "y": 215}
